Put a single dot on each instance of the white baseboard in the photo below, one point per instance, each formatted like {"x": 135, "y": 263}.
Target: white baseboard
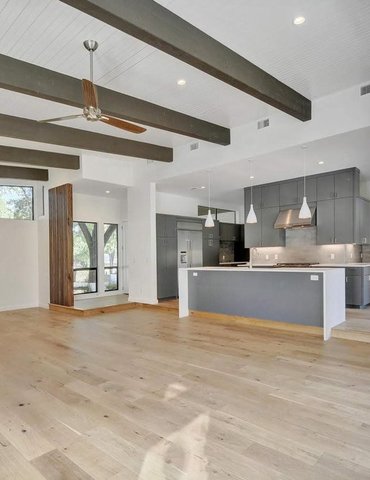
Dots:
{"x": 9, "y": 308}
{"x": 150, "y": 301}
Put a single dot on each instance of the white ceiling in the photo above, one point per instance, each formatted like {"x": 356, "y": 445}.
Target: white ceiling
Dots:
{"x": 328, "y": 53}
{"x": 340, "y": 151}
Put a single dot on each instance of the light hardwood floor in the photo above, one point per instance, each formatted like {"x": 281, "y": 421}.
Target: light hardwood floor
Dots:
{"x": 142, "y": 395}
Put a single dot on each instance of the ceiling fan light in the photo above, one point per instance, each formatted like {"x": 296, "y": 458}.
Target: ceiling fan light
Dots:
{"x": 209, "y": 220}
{"x": 252, "y": 217}
{"x": 305, "y": 211}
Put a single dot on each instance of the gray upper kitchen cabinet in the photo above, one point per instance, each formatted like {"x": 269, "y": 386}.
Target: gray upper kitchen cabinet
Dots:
{"x": 335, "y": 221}
{"x": 229, "y": 232}
{"x": 211, "y": 245}
{"x": 346, "y": 183}
{"x": 166, "y": 226}
{"x": 256, "y": 194}
{"x": 270, "y": 195}
{"x": 362, "y": 224}
{"x": 288, "y": 193}
{"x": 338, "y": 185}
{"x": 270, "y": 236}
{"x": 344, "y": 220}
{"x": 310, "y": 189}
{"x": 325, "y": 187}
{"x": 253, "y": 232}
{"x": 325, "y": 222}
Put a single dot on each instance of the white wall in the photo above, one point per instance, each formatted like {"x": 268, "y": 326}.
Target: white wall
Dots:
{"x": 170, "y": 204}
{"x": 142, "y": 255}
{"x": 18, "y": 264}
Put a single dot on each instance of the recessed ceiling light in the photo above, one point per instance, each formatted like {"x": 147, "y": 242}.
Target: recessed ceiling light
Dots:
{"x": 299, "y": 20}
{"x": 321, "y": 162}
{"x": 202, "y": 187}
{"x": 251, "y": 177}
{"x": 181, "y": 82}
{"x": 107, "y": 191}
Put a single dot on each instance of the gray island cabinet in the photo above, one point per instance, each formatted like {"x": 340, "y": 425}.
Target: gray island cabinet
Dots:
{"x": 313, "y": 298}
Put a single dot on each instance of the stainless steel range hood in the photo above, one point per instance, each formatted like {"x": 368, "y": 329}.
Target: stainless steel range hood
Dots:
{"x": 290, "y": 219}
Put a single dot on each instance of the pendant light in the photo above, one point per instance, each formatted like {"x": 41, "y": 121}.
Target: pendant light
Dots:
{"x": 305, "y": 211}
{"x": 251, "y": 218}
{"x": 209, "y": 220}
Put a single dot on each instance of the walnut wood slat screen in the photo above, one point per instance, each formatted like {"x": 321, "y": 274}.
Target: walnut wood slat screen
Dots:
{"x": 61, "y": 245}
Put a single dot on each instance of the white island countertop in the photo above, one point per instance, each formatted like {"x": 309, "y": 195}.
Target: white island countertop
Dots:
{"x": 318, "y": 268}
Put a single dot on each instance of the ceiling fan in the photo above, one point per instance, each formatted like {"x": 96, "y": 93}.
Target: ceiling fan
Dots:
{"x": 91, "y": 110}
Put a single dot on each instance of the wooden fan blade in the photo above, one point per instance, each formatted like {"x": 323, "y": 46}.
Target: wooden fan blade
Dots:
{"x": 117, "y": 122}
{"x": 59, "y": 119}
{"x": 90, "y": 94}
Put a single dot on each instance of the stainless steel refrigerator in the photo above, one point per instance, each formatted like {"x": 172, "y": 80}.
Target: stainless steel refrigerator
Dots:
{"x": 189, "y": 245}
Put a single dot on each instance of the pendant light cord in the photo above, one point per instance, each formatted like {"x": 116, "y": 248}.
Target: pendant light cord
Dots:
{"x": 209, "y": 191}
{"x": 304, "y": 169}
{"x": 251, "y": 180}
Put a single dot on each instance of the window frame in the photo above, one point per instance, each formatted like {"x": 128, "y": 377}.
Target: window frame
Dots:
{"x": 17, "y": 185}
{"x": 81, "y": 269}
{"x": 118, "y": 258}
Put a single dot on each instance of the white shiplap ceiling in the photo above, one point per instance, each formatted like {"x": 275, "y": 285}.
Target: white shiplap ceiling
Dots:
{"x": 329, "y": 52}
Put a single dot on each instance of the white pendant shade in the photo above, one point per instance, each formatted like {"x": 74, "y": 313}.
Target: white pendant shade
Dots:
{"x": 251, "y": 218}
{"x": 209, "y": 220}
{"x": 305, "y": 211}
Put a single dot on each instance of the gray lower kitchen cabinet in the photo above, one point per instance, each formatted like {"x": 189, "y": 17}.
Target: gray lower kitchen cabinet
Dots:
{"x": 357, "y": 287}
{"x": 270, "y": 195}
{"x": 166, "y": 267}
{"x": 288, "y": 193}
{"x": 270, "y": 236}
{"x": 253, "y": 232}
{"x": 325, "y": 222}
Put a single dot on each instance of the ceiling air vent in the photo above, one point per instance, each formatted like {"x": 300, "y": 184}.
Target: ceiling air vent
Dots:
{"x": 263, "y": 123}
{"x": 365, "y": 90}
{"x": 194, "y": 146}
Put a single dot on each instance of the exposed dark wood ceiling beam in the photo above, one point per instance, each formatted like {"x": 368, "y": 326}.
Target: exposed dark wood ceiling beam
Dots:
{"x": 39, "y": 158}
{"x": 150, "y": 22}
{"x": 25, "y": 129}
{"x": 24, "y": 173}
{"x": 23, "y": 77}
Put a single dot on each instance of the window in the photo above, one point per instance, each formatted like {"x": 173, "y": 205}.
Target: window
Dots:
{"x": 84, "y": 257}
{"x": 16, "y": 202}
{"x": 110, "y": 257}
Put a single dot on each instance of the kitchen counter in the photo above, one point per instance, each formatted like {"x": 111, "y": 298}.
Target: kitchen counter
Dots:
{"x": 312, "y": 296}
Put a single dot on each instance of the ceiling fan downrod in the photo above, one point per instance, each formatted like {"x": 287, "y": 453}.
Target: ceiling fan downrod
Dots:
{"x": 91, "y": 46}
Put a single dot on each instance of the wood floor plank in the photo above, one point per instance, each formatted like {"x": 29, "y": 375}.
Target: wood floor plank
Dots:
{"x": 143, "y": 395}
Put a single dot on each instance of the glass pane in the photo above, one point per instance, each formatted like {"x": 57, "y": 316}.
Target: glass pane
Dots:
{"x": 111, "y": 279}
{"x": 111, "y": 256}
{"x": 16, "y": 202}
{"x": 85, "y": 256}
{"x": 84, "y": 281}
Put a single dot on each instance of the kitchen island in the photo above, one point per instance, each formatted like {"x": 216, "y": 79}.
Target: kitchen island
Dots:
{"x": 313, "y": 297}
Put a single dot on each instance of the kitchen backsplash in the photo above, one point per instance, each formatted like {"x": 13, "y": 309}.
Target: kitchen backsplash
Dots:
{"x": 366, "y": 253}
{"x": 309, "y": 254}
{"x": 226, "y": 251}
